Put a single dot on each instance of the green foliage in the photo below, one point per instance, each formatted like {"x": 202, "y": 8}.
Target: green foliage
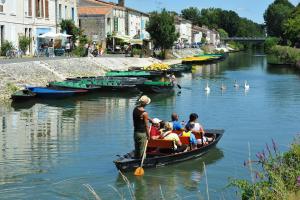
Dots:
{"x": 24, "y": 43}
{"x": 229, "y": 21}
{"x": 292, "y": 26}
{"x": 276, "y": 16}
{"x": 193, "y": 14}
{"x": 136, "y": 51}
{"x": 284, "y": 55}
{"x": 80, "y": 50}
{"x": 6, "y": 46}
{"x": 70, "y": 28}
{"x": 276, "y": 177}
{"x": 236, "y": 46}
{"x": 161, "y": 27}
{"x": 223, "y": 33}
{"x": 11, "y": 88}
{"x": 270, "y": 42}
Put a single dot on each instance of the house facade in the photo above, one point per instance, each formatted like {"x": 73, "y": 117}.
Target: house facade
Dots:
{"x": 184, "y": 28}
{"x": 31, "y": 18}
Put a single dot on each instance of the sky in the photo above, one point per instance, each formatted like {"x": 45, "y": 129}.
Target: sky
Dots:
{"x": 251, "y": 9}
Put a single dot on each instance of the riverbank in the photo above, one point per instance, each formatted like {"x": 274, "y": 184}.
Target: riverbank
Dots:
{"x": 40, "y": 72}
{"x": 284, "y": 55}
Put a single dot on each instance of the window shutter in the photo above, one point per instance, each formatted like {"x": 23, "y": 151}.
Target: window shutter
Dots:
{"x": 42, "y": 9}
{"x": 1, "y": 8}
{"x": 47, "y": 9}
{"x": 29, "y": 7}
{"x": 36, "y": 8}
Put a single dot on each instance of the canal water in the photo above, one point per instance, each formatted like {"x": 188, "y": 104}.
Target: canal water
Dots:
{"x": 52, "y": 149}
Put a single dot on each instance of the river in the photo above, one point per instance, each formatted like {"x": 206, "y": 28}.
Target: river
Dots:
{"x": 50, "y": 149}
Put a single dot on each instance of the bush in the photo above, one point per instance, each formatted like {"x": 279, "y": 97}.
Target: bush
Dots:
{"x": 284, "y": 55}
{"x": 236, "y": 46}
{"x": 270, "y": 42}
{"x": 24, "y": 43}
{"x": 278, "y": 177}
{"x": 6, "y": 46}
{"x": 80, "y": 50}
{"x": 136, "y": 51}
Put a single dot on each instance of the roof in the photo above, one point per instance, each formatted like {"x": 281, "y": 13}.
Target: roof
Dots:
{"x": 94, "y": 10}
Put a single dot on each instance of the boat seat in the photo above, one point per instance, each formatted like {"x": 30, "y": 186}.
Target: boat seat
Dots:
{"x": 185, "y": 140}
{"x": 163, "y": 144}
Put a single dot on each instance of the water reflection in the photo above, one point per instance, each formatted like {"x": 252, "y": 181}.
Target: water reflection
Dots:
{"x": 174, "y": 181}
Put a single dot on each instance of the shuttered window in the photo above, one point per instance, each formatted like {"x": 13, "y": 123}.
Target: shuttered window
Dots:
{"x": 47, "y": 9}
{"x": 1, "y": 8}
{"x": 37, "y": 14}
{"x": 42, "y": 7}
{"x": 30, "y": 8}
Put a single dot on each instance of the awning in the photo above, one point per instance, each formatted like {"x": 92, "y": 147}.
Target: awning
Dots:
{"x": 51, "y": 35}
{"x": 125, "y": 38}
{"x": 136, "y": 41}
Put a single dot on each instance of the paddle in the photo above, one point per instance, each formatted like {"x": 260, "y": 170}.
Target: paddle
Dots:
{"x": 179, "y": 86}
{"x": 140, "y": 171}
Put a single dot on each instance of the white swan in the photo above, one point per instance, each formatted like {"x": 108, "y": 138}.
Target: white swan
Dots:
{"x": 223, "y": 87}
{"x": 207, "y": 88}
{"x": 246, "y": 86}
{"x": 236, "y": 85}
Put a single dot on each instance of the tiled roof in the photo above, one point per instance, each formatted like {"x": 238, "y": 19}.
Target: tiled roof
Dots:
{"x": 94, "y": 10}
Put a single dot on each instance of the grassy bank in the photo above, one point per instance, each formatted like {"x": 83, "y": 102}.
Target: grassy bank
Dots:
{"x": 284, "y": 55}
{"x": 275, "y": 175}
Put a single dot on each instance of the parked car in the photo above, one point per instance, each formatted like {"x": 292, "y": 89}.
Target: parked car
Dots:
{"x": 195, "y": 45}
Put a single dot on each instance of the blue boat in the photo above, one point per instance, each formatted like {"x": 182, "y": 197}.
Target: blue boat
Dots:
{"x": 44, "y": 92}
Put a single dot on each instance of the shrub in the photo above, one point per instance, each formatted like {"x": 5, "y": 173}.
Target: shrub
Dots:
{"x": 24, "y": 43}
{"x": 6, "y": 46}
{"x": 285, "y": 54}
{"x": 278, "y": 177}
{"x": 270, "y": 42}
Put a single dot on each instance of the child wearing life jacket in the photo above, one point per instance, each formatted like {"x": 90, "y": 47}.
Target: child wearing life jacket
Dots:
{"x": 188, "y": 133}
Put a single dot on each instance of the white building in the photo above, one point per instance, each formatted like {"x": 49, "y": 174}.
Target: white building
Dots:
{"x": 184, "y": 28}
{"x": 136, "y": 24}
{"x": 32, "y": 18}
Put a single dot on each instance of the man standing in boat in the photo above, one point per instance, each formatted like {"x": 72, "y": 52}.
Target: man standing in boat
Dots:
{"x": 141, "y": 127}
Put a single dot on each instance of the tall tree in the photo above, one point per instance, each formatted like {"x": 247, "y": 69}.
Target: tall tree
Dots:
{"x": 292, "y": 26}
{"x": 161, "y": 27}
{"x": 230, "y": 22}
{"x": 276, "y": 15}
{"x": 193, "y": 14}
{"x": 68, "y": 26}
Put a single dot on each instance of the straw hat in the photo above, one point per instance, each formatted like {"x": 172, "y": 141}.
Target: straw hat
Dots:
{"x": 145, "y": 100}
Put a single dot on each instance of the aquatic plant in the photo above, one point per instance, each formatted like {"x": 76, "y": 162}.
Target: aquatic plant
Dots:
{"x": 284, "y": 54}
{"x": 277, "y": 176}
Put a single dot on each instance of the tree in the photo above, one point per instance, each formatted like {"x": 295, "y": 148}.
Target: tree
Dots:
{"x": 193, "y": 14}
{"x": 223, "y": 33}
{"x": 292, "y": 26}
{"x": 161, "y": 27}
{"x": 70, "y": 28}
{"x": 229, "y": 21}
{"x": 248, "y": 28}
{"x": 276, "y": 16}
{"x": 24, "y": 43}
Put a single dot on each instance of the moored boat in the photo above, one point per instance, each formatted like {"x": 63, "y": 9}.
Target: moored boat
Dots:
{"x": 128, "y": 162}
{"x": 156, "y": 87}
{"x": 23, "y": 95}
{"x": 45, "y": 92}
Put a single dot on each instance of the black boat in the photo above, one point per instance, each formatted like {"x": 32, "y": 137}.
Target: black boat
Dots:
{"x": 156, "y": 87}
{"x": 129, "y": 163}
{"x": 23, "y": 95}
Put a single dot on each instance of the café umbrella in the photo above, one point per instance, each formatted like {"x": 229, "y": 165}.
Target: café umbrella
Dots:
{"x": 51, "y": 35}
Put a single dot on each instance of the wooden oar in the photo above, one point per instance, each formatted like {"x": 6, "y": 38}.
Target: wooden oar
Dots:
{"x": 179, "y": 86}
{"x": 140, "y": 171}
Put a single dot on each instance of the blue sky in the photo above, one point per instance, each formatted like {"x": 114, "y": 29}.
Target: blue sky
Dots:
{"x": 251, "y": 9}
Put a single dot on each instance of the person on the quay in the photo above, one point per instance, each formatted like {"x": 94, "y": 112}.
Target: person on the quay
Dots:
{"x": 141, "y": 127}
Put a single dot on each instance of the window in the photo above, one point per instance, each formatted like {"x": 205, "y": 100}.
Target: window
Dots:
{"x": 59, "y": 11}
{"x": 30, "y": 8}
{"x": 73, "y": 14}
{"x": 39, "y": 8}
{"x": 1, "y": 8}
{"x": 47, "y": 9}
{"x": 1, "y": 34}
{"x": 66, "y": 10}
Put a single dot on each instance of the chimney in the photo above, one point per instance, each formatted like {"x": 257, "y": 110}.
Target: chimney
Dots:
{"x": 121, "y": 3}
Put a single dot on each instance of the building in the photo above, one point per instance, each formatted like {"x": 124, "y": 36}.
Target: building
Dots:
{"x": 184, "y": 28}
{"x": 32, "y": 18}
{"x": 101, "y": 19}
{"x": 211, "y": 36}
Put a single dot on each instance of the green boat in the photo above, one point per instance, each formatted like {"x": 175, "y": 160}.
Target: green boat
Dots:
{"x": 136, "y": 73}
{"x": 156, "y": 87}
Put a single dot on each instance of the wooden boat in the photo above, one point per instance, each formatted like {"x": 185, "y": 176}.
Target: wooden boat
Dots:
{"x": 45, "y": 92}
{"x": 101, "y": 83}
{"x": 23, "y": 95}
{"x": 135, "y": 73}
{"x": 156, "y": 87}
{"x": 204, "y": 59}
{"x": 129, "y": 163}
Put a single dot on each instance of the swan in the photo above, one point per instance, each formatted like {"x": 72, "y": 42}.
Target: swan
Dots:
{"x": 236, "y": 85}
{"x": 207, "y": 88}
{"x": 246, "y": 86}
{"x": 223, "y": 87}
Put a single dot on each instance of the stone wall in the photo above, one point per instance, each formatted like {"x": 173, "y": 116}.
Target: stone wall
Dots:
{"x": 93, "y": 25}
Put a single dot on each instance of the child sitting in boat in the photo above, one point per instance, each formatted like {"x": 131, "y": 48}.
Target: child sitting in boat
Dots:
{"x": 188, "y": 133}
{"x": 167, "y": 134}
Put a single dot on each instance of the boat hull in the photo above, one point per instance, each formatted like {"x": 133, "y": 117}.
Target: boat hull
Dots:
{"x": 155, "y": 89}
{"x": 43, "y": 92}
{"x": 128, "y": 163}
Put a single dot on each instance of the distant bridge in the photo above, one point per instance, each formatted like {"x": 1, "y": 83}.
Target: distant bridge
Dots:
{"x": 245, "y": 39}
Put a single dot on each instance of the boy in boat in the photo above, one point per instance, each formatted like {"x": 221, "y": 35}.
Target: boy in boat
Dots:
{"x": 169, "y": 135}
{"x": 188, "y": 133}
{"x": 141, "y": 128}
{"x": 177, "y": 126}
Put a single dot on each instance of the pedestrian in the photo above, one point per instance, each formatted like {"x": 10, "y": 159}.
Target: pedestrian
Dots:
{"x": 68, "y": 48}
{"x": 141, "y": 127}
